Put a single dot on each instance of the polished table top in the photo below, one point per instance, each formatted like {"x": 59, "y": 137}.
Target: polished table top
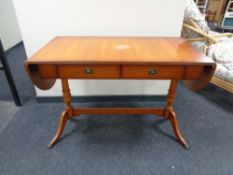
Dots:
{"x": 117, "y": 53}
{"x": 119, "y": 50}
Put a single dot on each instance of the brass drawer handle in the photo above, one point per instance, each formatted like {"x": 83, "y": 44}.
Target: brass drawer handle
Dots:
{"x": 89, "y": 71}
{"x": 152, "y": 71}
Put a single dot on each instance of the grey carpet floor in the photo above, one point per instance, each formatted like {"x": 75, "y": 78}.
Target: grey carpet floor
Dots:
{"x": 7, "y": 111}
{"x": 15, "y": 57}
{"x": 121, "y": 144}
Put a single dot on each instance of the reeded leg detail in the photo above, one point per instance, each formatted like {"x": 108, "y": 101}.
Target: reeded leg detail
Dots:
{"x": 62, "y": 123}
{"x": 176, "y": 130}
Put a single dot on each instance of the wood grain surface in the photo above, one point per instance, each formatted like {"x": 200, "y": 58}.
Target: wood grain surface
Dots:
{"x": 130, "y": 50}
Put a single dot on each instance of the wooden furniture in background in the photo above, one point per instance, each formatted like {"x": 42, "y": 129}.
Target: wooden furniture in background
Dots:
{"x": 204, "y": 36}
{"x": 223, "y": 84}
{"x": 119, "y": 58}
{"x": 217, "y": 6}
{"x": 209, "y": 39}
{"x": 211, "y": 16}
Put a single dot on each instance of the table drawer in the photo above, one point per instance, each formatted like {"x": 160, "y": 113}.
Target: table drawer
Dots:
{"x": 152, "y": 72}
{"x": 88, "y": 71}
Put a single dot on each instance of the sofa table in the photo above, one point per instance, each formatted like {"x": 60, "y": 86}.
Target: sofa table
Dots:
{"x": 119, "y": 58}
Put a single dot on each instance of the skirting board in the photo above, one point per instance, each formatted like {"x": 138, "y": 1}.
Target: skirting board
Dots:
{"x": 118, "y": 98}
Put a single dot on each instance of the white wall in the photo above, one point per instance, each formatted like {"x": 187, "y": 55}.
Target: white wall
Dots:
{"x": 41, "y": 20}
{"x": 9, "y": 29}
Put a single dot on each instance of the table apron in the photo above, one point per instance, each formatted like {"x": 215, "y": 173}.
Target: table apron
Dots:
{"x": 179, "y": 72}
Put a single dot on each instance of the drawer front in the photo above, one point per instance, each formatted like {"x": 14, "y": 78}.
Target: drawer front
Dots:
{"x": 88, "y": 71}
{"x": 152, "y": 72}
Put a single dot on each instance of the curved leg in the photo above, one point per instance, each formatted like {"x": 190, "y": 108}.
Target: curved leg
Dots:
{"x": 175, "y": 127}
{"x": 171, "y": 115}
{"x": 62, "y": 123}
{"x": 66, "y": 114}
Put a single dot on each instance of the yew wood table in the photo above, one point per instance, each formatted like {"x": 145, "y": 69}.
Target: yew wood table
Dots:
{"x": 119, "y": 58}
